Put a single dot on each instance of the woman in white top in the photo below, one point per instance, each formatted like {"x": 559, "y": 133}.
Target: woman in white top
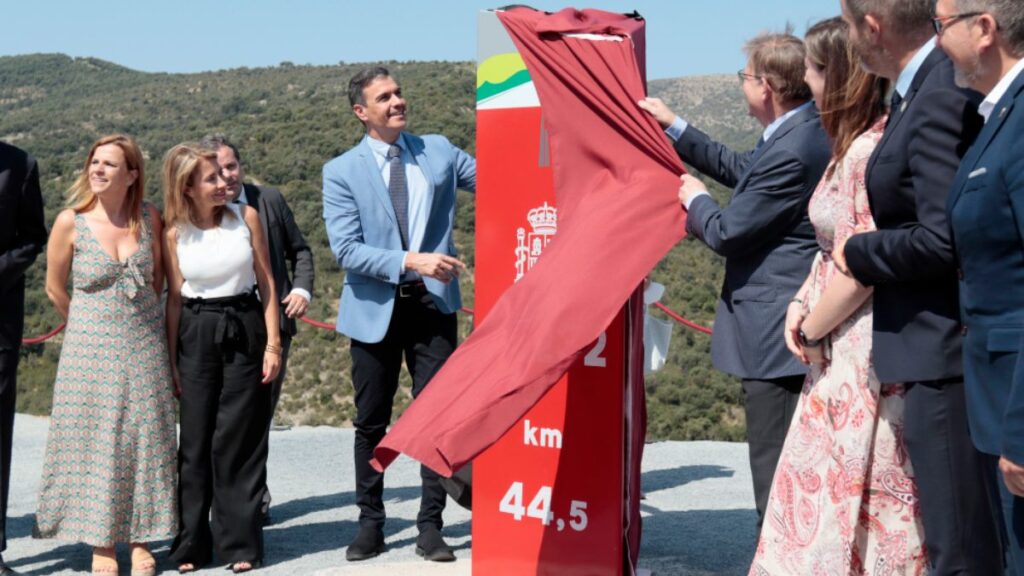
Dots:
{"x": 225, "y": 348}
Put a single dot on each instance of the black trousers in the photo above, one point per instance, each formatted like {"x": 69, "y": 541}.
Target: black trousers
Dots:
{"x": 961, "y": 532}
{"x": 8, "y": 400}
{"x": 275, "y": 396}
{"x": 770, "y": 405}
{"x": 222, "y": 451}
{"x": 426, "y": 338}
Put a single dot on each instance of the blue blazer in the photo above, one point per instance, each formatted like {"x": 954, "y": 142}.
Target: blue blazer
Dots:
{"x": 764, "y": 234}
{"x": 363, "y": 230}
{"x": 986, "y": 213}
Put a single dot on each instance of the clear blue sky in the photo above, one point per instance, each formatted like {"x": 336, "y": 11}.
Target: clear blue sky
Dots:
{"x": 685, "y": 37}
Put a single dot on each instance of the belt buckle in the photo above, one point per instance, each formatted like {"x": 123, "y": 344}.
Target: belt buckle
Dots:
{"x": 405, "y": 290}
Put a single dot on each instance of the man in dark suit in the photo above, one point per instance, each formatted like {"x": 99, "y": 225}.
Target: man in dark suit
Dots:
{"x": 389, "y": 207}
{"x": 764, "y": 234}
{"x": 22, "y": 237}
{"x": 909, "y": 261}
{"x": 291, "y": 260}
{"x": 985, "y": 41}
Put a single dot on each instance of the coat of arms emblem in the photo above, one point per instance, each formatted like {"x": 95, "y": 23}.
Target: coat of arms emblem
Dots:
{"x": 529, "y": 246}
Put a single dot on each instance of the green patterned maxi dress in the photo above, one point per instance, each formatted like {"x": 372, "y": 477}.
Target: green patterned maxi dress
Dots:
{"x": 110, "y": 472}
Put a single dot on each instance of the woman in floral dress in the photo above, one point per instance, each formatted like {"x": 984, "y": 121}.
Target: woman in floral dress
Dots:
{"x": 843, "y": 500}
{"x": 110, "y": 473}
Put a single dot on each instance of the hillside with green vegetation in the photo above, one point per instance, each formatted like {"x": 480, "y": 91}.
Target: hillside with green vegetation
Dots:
{"x": 289, "y": 120}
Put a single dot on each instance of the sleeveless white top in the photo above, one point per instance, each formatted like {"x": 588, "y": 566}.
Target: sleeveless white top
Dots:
{"x": 217, "y": 262}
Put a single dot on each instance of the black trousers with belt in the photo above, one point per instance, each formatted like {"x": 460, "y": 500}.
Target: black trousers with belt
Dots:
{"x": 223, "y": 445}
{"x": 426, "y": 338}
{"x": 8, "y": 399}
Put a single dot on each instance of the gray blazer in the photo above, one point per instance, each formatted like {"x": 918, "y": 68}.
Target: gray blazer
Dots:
{"x": 286, "y": 246}
{"x": 765, "y": 236}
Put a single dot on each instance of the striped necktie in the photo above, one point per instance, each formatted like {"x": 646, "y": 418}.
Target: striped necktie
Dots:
{"x": 399, "y": 192}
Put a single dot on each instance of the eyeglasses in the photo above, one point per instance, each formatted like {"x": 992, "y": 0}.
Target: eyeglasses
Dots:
{"x": 743, "y": 76}
{"x": 940, "y": 23}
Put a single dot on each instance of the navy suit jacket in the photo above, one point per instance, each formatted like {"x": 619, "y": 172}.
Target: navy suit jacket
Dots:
{"x": 22, "y": 237}
{"x": 764, "y": 234}
{"x": 986, "y": 212}
{"x": 909, "y": 259}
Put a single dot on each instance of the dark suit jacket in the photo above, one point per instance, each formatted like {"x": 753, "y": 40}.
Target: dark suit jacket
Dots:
{"x": 286, "y": 246}
{"x": 22, "y": 237}
{"x": 765, "y": 236}
{"x": 909, "y": 260}
{"x": 986, "y": 212}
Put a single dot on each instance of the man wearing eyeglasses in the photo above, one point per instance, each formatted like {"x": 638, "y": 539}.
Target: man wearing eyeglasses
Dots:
{"x": 909, "y": 260}
{"x": 985, "y": 41}
{"x": 764, "y": 234}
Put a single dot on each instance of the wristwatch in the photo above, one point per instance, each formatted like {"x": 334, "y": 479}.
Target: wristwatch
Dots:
{"x": 807, "y": 342}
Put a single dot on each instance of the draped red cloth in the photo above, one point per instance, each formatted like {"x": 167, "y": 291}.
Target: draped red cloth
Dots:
{"x": 616, "y": 183}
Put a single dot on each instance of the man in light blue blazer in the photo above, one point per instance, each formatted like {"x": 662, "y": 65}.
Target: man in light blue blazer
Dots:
{"x": 985, "y": 41}
{"x": 389, "y": 207}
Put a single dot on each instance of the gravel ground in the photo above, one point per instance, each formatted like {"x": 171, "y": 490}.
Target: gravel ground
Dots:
{"x": 698, "y": 514}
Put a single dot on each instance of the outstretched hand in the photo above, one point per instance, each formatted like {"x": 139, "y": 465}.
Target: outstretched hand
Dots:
{"x": 657, "y": 108}
{"x": 690, "y": 188}
{"x": 295, "y": 305}
{"x": 435, "y": 265}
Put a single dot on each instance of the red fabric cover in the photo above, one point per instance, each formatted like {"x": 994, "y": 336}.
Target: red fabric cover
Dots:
{"x": 616, "y": 183}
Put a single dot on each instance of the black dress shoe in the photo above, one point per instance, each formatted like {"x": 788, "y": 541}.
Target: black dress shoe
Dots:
{"x": 367, "y": 544}
{"x": 431, "y": 546}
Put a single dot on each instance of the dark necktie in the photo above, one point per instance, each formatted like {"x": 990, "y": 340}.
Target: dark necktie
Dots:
{"x": 399, "y": 192}
{"x": 760, "y": 143}
{"x": 894, "y": 106}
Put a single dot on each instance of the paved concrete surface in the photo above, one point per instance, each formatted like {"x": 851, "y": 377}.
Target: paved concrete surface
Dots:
{"x": 698, "y": 515}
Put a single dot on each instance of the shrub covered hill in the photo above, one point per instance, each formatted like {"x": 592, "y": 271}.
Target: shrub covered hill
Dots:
{"x": 288, "y": 120}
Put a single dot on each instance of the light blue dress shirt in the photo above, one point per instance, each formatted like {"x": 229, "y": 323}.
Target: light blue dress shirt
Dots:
{"x": 906, "y": 77}
{"x": 419, "y": 191}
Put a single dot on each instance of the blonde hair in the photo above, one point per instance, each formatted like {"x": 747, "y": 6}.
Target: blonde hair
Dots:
{"x": 81, "y": 198}
{"x": 180, "y": 164}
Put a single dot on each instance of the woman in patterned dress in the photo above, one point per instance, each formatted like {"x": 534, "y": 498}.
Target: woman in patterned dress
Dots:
{"x": 110, "y": 472}
{"x": 843, "y": 500}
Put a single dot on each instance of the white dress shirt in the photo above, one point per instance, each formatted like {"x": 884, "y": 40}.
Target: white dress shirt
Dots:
{"x": 989, "y": 103}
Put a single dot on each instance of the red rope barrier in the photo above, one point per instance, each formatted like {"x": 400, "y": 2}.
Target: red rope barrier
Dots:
{"x": 317, "y": 324}
{"x": 326, "y": 326}
{"x": 681, "y": 320}
{"x": 44, "y": 337}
